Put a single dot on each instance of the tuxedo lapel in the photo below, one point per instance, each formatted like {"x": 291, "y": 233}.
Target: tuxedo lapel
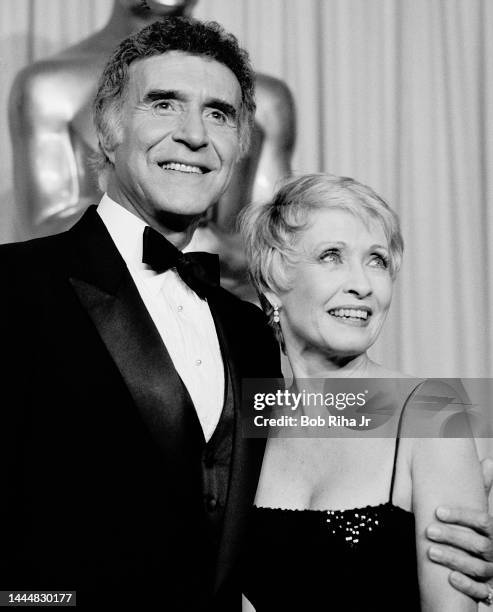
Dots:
{"x": 106, "y": 290}
{"x": 246, "y": 453}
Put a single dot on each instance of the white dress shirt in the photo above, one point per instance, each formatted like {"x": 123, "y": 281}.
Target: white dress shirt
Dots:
{"x": 184, "y": 320}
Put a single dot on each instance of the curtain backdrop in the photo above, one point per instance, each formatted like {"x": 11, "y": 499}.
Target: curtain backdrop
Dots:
{"x": 396, "y": 93}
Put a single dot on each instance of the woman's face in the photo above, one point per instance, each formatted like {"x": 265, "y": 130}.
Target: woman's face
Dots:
{"x": 341, "y": 287}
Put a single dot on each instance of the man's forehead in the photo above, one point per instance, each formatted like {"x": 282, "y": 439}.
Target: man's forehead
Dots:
{"x": 184, "y": 72}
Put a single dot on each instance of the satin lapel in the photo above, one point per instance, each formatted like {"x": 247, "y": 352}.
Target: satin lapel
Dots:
{"x": 106, "y": 290}
{"x": 247, "y": 453}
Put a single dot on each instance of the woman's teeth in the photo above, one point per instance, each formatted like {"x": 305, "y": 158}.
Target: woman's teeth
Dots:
{"x": 349, "y": 313}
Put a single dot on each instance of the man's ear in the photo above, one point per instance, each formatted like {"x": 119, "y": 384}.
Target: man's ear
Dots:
{"x": 109, "y": 150}
{"x": 112, "y": 136}
{"x": 110, "y": 154}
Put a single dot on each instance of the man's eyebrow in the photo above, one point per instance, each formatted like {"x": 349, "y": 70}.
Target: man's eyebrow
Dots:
{"x": 154, "y": 95}
{"x": 162, "y": 94}
{"x": 223, "y": 106}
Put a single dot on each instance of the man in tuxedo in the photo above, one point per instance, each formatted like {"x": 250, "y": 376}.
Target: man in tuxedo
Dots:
{"x": 128, "y": 477}
{"x": 125, "y": 474}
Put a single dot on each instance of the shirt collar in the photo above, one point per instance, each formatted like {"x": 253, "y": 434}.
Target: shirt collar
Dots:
{"x": 125, "y": 229}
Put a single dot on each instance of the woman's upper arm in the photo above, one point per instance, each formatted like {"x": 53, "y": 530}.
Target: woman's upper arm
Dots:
{"x": 444, "y": 471}
{"x": 246, "y": 606}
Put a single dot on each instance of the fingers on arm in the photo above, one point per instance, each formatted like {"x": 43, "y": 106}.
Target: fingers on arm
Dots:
{"x": 461, "y": 537}
{"x": 476, "y": 590}
{"x": 458, "y": 560}
{"x": 479, "y": 520}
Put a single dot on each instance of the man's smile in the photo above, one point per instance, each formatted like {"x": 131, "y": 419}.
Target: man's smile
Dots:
{"x": 181, "y": 167}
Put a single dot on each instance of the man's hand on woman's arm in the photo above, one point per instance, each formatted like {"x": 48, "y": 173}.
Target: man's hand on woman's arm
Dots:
{"x": 463, "y": 541}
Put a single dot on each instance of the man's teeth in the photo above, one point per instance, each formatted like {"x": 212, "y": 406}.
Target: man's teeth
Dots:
{"x": 181, "y": 167}
{"x": 350, "y": 312}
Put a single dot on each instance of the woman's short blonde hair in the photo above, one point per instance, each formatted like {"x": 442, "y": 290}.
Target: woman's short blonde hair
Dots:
{"x": 270, "y": 231}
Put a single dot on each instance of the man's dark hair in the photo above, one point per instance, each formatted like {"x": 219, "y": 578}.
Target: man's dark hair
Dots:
{"x": 186, "y": 34}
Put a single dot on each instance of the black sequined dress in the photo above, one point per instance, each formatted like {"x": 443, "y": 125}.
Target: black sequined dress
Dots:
{"x": 362, "y": 559}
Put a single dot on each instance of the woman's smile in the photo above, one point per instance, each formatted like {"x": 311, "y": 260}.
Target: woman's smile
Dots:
{"x": 341, "y": 286}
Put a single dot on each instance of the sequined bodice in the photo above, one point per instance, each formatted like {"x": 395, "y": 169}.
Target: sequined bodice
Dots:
{"x": 362, "y": 559}
{"x": 354, "y": 527}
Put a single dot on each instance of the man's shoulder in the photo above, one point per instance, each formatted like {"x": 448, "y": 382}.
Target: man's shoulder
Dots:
{"x": 247, "y": 319}
{"x": 239, "y": 306}
{"x": 56, "y": 245}
{"x": 34, "y": 254}
{"x": 32, "y": 245}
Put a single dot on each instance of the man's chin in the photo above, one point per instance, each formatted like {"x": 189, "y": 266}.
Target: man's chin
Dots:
{"x": 178, "y": 222}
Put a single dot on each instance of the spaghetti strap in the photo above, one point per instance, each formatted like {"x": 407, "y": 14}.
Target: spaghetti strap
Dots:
{"x": 398, "y": 438}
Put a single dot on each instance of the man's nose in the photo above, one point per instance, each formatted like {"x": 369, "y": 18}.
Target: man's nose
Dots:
{"x": 192, "y": 130}
{"x": 358, "y": 282}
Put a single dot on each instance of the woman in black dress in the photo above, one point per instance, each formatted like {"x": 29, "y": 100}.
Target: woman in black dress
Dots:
{"x": 339, "y": 517}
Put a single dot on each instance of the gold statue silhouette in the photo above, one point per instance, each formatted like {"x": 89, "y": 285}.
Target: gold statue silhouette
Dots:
{"x": 53, "y": 138}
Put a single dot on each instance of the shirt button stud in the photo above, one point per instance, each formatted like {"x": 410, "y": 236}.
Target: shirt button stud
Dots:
{"x": 180, "y": 308}
{"x": 198, "y": 362}
{"x": 211, "y": 504}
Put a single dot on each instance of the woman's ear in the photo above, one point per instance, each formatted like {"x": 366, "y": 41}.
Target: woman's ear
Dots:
{"x": 273, "y": 299}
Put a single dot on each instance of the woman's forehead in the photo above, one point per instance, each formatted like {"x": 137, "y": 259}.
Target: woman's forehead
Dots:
{"x": 342, "y": 225}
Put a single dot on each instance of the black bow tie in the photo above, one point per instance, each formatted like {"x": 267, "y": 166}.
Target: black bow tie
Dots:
{"x": 199, "y": 270}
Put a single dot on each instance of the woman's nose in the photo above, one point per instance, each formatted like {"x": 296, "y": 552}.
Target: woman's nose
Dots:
{"x": 358, "y": 282}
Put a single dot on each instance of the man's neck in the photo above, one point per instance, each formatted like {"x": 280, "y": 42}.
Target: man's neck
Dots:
{"x": 178, "y": 229}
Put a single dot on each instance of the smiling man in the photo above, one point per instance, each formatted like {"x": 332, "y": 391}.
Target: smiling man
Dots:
{"x": 125, "y": 474}
{"x": 178, "y": 145}
{"x": 128, "y": 478}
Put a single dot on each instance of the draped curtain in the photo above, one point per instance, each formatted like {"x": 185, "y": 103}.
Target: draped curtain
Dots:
{"x": 395, "y": 93}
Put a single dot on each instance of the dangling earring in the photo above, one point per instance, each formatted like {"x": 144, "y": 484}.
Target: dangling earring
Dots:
{"x": 276, "y": 313}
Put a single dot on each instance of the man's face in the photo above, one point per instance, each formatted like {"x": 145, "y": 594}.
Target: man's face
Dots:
{"x": 179, "y": 136}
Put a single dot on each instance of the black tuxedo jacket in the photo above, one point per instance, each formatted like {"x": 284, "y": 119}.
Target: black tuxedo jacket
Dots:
{"x": 100, "y": 441}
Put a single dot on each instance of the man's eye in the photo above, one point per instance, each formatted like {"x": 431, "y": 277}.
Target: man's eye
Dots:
{"x": 162, "y": 106}
{"x": 218, "y": 117}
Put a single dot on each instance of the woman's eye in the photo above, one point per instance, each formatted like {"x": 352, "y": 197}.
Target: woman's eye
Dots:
{"x": 379, "y": 261}
{"x": 332, "y": 256}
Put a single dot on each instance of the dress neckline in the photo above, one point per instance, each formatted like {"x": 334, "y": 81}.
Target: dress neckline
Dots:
{"x": 360, "y": 509}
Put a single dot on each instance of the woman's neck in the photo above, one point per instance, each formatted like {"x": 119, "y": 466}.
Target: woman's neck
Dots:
{"x": 322, "y": 366}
